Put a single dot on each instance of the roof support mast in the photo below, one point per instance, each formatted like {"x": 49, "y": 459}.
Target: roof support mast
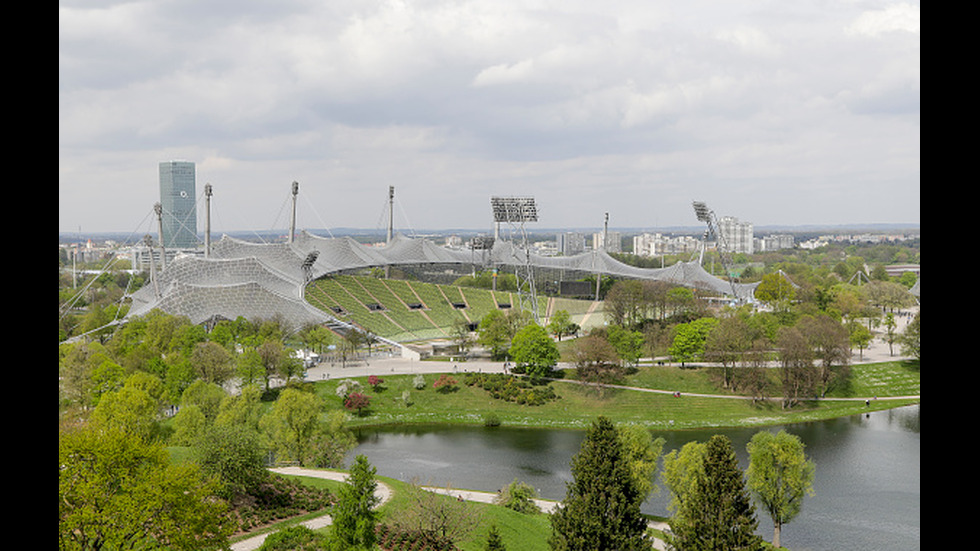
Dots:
{"x": 391, "y": 224}
{"x": 292, "y": 223}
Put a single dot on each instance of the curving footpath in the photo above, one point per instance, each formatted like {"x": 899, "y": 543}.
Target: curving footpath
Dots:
{"x": 383, "y": 492}
{"x": 546, "y": 506}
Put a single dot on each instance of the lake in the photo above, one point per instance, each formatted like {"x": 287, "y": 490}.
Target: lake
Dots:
{"x": 866, "y": 484}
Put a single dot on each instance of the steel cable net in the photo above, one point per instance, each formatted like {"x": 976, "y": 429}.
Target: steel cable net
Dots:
{"x": 258, "y": 281}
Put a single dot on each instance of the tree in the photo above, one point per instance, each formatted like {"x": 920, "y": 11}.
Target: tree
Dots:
{"x": 796, "y": 372}
{"x": 357, "y": 401}
{"x": 680, "y": 473}
{"x": 561, "y": 324}
{"x": 189, "y": 424}
{"x": 333, "y": 441}
{"x": 727, "y": 344}
{"x": 272, "y": 355}
{"x": 626, "y": 303}
{"x": 690, "y": 338}
{"x": 316, "y": 337}
{"x": 354, "y": 517}
{"x": 860, "y": 337}
{"x": 117, "y": 491}
{"x": 232, "y": 454}
{"x": 830, "y": 344}
{"x": 519, "y": 497}
{"x": 244, "y": 408}
{"x": 779, "y": 476}
{"x": 642, "y": 451}
{"x": 207, "y": 396}
{"x": 213, "y": 362}
{"x": 628, "y": 343}
{"x": 130, "y": 409}
{"x": 717, "y": 514}
{"x": 533, "y": 348}
{"x": 891, "y": 337}
{"x": 494, "y": 541}
{"x": 495, "y": 332}
{"x": 460, "y": 333}
{"x": 596, "y": 360}
{"x": 438, "y": 521}
{"x": 601, "y": 509}
{"x": 910, "y": 338}
{"x": 776, "y": 290}
{"x": 293, "y": 422}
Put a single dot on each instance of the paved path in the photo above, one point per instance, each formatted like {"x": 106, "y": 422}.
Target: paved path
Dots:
{"x": 546, "y": 506}
{"x": 383, "y": 492}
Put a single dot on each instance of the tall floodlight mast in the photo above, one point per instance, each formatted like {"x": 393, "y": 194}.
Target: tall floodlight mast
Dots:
{"x": 706, "y": 215}
{"x": 516, "y": 211}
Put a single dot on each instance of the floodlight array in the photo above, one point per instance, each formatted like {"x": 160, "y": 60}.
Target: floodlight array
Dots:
{"x": 482, "y": 243}
{"x": 514, "y": 209}
{"x": 701, "y": 211}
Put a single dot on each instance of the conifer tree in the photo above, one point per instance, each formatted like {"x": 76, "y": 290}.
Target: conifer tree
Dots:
{"x": 494, "y": 542}
{"x": 717, "y": 514}
{"x": 354, "y": 517}
{"x": 601, "y": 509}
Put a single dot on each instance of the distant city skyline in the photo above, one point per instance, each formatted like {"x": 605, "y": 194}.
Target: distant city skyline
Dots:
{"x": 779, "y": 114}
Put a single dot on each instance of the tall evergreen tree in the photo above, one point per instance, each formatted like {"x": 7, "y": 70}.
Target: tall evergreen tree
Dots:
{"x": 717, "y": 513}
{"x": 354, "y": 517}
{"x": 601, "y": 509}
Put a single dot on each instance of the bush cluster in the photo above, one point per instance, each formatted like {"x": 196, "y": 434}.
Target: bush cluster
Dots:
{"x": 280, "y": 498}
{"x": 511, "y": 389}
{"x": 390, "y": 538}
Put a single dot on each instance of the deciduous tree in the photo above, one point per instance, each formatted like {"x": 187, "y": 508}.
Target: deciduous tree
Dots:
{"x": 533, "y": 348}
{"x": 293, "y": 422}
{"x": 779, "y": 476}
{"x": 116, "y": 491}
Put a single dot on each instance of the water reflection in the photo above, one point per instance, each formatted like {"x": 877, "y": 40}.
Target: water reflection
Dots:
{"x": 866, "y": 482}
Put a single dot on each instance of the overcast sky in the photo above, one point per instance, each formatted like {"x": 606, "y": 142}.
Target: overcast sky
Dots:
{"x": 775, "y": 112}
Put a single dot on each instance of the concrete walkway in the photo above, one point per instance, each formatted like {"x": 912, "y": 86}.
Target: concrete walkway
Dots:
{"x": 383, "y": 492}
{"x": 546, "y": 506}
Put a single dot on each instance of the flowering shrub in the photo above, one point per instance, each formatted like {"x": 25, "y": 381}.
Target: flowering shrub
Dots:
{"x": 374, "y": 381}
{"x": 444, "y": 383}
{"x": 358, "y": 401}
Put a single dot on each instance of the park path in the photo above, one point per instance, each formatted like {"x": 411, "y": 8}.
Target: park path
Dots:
{"x": 383, "y": 492}
{"x": 546, "y": 506}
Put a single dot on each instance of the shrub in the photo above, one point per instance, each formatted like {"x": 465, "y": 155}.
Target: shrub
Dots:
{"x": 511, "y": 389}
{"x": 375, "y": 381}
{"x": 444, "y": 383}
{"x": 519, "y": 497}
{"x": 294, "y": 538}
{"x": 491, "y": 420}
{"x": 419, "y": 382}
{"x": 357, "y": 401}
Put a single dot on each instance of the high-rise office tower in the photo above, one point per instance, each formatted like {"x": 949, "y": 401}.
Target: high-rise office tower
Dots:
{"x": 177, "y": 197}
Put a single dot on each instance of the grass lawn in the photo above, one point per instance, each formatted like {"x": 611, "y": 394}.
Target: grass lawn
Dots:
{"x": 578, "y": 405}
{"x": 517, "y": 530}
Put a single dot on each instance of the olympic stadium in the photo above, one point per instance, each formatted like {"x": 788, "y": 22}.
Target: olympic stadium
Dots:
{"x": 237, "y": 278}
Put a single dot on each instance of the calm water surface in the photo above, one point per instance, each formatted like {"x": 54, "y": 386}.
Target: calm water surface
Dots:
{"x": 866, "y": 485}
